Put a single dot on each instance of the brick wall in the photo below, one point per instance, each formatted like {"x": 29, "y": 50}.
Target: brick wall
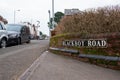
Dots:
{"x": 113, "y": 41}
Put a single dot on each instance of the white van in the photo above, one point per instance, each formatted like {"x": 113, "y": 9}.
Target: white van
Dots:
{"x": 3, "y": 36}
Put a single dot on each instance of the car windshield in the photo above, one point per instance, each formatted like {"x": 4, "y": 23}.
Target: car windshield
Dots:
{"x": 13, "y": 28}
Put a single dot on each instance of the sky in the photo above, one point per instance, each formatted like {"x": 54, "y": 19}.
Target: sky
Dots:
{"x": 37, "y": 10}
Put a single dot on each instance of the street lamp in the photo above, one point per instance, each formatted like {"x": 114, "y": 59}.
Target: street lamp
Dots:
{"x": 15, "y": 15}
{"x": 38, "y": 23}
{"x": 49, "y": 25}
{"x": 49, "y": 15}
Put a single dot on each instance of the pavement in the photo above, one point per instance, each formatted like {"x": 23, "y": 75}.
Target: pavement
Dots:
{"x": 51, "y": 66}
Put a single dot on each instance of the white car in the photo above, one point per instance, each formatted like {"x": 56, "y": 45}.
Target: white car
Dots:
{"x": 3, "y": 36}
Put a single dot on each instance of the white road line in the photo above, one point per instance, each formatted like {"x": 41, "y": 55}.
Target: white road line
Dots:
{"x": 31, "y": 69}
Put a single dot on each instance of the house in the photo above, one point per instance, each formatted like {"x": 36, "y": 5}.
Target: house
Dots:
{"x": 33, "y": 30}
{"x": 68, "y": 12}
{"x": 3, "y": 20}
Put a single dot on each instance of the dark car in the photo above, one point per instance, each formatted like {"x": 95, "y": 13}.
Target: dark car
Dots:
{"x": 18, "y": 34}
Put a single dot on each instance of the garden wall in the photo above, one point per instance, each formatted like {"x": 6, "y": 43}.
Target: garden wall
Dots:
{"x": 112, "y": 49}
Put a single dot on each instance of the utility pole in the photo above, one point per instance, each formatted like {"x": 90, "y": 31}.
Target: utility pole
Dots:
{"x": 53, "y": 13}
{"x": 15, "y": 15}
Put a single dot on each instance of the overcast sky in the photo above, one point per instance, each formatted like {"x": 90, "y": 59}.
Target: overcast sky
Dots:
{"x": 37, "y": 10}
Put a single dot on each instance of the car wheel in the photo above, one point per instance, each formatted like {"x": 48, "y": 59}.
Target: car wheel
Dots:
{"x": 18, "y": 41}
{"x": 3, "y": 43}
{"x": 28, "y": 41}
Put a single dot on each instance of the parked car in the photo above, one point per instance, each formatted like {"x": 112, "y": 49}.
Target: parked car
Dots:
{"x": 3, "y": 35}
{"x": 18, "y": 34}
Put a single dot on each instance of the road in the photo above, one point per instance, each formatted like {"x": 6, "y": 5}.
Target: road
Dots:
{"x": 15, "y": 60}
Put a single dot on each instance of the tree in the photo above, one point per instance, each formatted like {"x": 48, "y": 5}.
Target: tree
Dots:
{"x": 41, "y": 33}
{"x": 50, "y": 25}
{"x": 58, "y": 16}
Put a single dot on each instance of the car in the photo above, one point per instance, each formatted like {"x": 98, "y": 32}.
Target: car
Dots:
{"x": 18, "y": 34}
{"x": 3, "y": 36}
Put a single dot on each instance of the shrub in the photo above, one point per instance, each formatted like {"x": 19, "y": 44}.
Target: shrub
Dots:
{"x": 93, "y": 21}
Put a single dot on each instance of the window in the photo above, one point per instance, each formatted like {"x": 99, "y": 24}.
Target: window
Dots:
{"x": 1, "y": 28}
{"x": 13, "y": 28}
{"x": 23, "y": 29}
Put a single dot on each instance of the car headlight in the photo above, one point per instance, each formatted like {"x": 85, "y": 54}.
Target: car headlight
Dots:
{"x": 12, "y": 35}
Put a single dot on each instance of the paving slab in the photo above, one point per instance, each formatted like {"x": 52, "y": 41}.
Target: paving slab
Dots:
{"x": 56, "y": 67}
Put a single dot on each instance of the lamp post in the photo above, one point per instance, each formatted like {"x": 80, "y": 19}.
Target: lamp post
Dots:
{"x": 53, "y": 13}
{"x": 49, "y": 25}
{"x": 15, "y": 15}
{"x": 49, "y": 15}
{"x": 37, "y": 31}
{"x": 38, "y": 23}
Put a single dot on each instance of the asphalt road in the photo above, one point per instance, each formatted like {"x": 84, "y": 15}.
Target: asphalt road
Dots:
{"x": 15, "y": 60}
